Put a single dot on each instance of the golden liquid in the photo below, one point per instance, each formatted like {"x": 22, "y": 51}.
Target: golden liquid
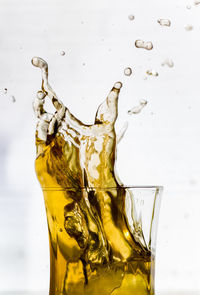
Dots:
{"x": 92, "y": 249}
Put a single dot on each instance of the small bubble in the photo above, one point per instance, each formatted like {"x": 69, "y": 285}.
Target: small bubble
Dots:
{"x": 5, "y": 90}
{"x": 164, "y": 22}
{"x": 152, "y": 73}
{"x": 62, "y": 53}
{"x": 188, "y": 6}
{"x": 131, "y": 17}
{"x": 188, "y": 27}
{"x": 12, "y": 98}
{"x": 142, "y": 44}
{"x": 168, "y": 62}
{"x": 138, "y": 109}
{"x": 83, "y": 64}
{"x": 127, "y": 72}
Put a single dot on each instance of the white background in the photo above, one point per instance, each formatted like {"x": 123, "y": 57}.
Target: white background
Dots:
{"x": 161, "y": 146}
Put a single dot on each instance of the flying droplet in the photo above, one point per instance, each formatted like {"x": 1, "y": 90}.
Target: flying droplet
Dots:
{"x": 168, "y": 62}
{"x": 196, "y": 2}
{"x": 137, "y": 109}
{"x": 152, "y": 73}
{"x": 131, "y": 17}
{"x": 5, "y": 90}
{"x": 188, "y": 27}
{"x": 164, "y": 22}
{"x": 62, "y": 53}
{"x": 127, "y": 71}
{"x": 12, "y": 98}
{"x": 142, "y": 44}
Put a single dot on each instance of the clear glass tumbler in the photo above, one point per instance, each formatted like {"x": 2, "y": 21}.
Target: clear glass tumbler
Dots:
{"x": 102, "y": 240}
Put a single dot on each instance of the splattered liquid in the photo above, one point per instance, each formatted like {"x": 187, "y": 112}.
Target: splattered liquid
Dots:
{"x": 92, "y": 248}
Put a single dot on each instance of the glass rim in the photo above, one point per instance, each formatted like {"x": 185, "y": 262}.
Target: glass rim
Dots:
{"x": 156, "y": 187}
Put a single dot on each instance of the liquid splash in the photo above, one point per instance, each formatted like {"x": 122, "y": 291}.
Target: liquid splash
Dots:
{"x": 137, "y": 109}
{"x": 164, "y": 22}
{"x": 91, "y": 244}
{"x": 145, "y": 45}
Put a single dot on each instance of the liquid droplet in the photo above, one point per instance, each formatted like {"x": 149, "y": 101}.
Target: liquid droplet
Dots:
{"x": 131, "y": 17}
{"x": 168, "y": 62}
{"x": 188, "y": 27}
{"x": 137, "y": 109}
{"x": 196, "y": 2}
{"x": 142, "y": 44}
{"x": 62, "y": 53}
{"x": 12, "y": 98}
{"x": 5, "y": 90}
{"x": 164, "y": 22}
{"x": 152, "y": 73}
{"x": 127, "y": 72}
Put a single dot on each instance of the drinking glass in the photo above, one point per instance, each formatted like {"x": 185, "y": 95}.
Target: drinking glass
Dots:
{"x": 102, "y": 240}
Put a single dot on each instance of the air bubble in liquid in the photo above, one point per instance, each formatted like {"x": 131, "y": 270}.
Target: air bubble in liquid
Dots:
{"x": 142, "y": 44}
{"x": 127, "y": 71}
{"x": 62, "y": 53}
{"x": 152, "y": 73}
{"x": 164, "y": 22}
{"x": 188, "y": 6}
{"x": 131, "y": 17}
{"x": 137, "y": 109}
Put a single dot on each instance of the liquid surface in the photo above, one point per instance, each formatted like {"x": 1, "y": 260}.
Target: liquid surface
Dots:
{"x": 92, "y": 248}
